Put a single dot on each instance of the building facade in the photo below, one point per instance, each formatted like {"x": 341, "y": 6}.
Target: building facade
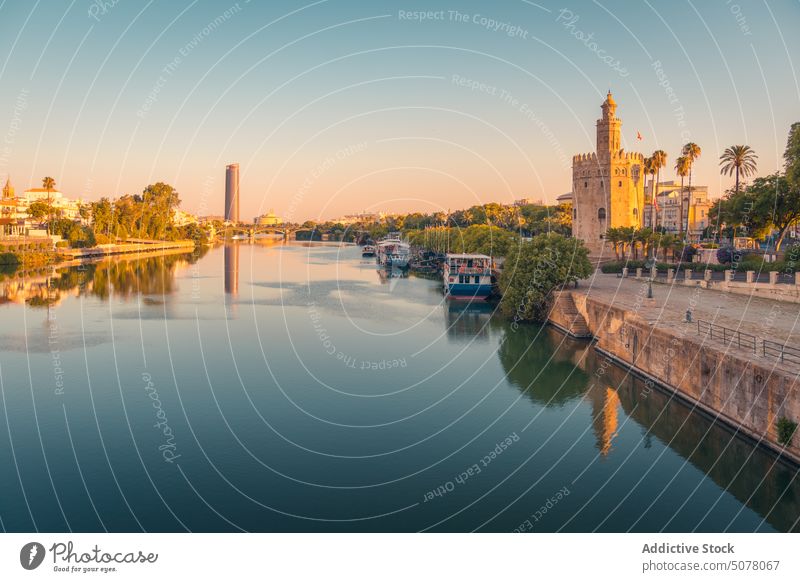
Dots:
{"x": 232, "y": 193}
{"x": 695, "y": 208}
{"x": 269, "y": 219}
{"x": 607, "y": 185}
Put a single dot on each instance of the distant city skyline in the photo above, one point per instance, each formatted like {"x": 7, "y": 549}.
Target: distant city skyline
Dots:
{"x": 338, "y": 107}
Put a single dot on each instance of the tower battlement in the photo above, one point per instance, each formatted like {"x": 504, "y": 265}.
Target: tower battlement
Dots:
{"x": 606, "y": 187}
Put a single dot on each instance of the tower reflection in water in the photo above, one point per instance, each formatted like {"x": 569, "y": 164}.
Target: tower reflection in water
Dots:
{"x": 231, "y": 268}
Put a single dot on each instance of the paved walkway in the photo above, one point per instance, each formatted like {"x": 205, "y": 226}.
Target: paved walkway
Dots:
{"x": 764, "y": 318}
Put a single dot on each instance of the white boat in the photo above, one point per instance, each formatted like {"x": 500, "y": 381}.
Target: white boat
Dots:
{"x": 393, "y": 252}
{"x": 368, "y": 251}
{"x": 467, "y": 276}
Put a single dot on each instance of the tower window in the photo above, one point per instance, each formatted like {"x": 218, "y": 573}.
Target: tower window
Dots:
{"x": 636, "y": 212}
{"x": 601, "y": 183}
{"x": 619, "y": 183}
{"x": 586, "y": 184}
{"x": 574, "y": 213}
{"x": 601, "y": 213}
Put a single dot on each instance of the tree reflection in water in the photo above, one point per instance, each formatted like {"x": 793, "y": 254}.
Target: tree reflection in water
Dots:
{"x": 123, "y": 277}
{"x": 573, "y": 369}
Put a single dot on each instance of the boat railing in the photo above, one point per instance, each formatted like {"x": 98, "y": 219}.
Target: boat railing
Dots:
{"x": 470, "y": 270}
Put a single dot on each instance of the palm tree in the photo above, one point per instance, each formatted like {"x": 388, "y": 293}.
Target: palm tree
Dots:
{"x": 628, "y": 235}
{"x": 738, "y": 159}
{"x": 659, "y": 158}
{"x": 692, "y": 151}
{"x": 614, "y": 236}
{"x": 49, "y": 184}
{"x": 682, "y": 169}
{"x": 649, "y": 168}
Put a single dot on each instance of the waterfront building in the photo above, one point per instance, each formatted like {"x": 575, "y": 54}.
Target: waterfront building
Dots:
{"x": 607, "y": 185}
{"x": 268, "y": 219}
{"x": 14, "y": 219}
{"x": 362, "y": 217}
{"x": 695, "y": 208}
{"x": 232, "y": 193}
{"x": 182, "y": 218}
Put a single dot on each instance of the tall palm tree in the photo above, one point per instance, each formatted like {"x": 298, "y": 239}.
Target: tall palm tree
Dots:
{"x": 649, "y": 168}
{"x": 659, "y": 158}
{"x": 682, "y": 169}
{"x": 692, "y": 151}
{"x": 49, "y": 184}
{"x": 738, "y": 159}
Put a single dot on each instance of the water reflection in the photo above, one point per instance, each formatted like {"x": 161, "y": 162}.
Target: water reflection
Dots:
{"x": 544, "y": 364}
{"x": 469, "y": 320}
{"x": 751, "y": 474}
{"x": 123, "y": 277}
{"x": 232, "y": 269}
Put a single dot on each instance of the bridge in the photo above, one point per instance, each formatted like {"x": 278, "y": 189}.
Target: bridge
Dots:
{"x": 252, "y": 230}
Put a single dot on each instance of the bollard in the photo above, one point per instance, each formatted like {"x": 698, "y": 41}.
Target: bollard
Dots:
{"x": 653, "y": 272}
{"x": 639, "y": 274}
{"x": 751, "y": 276}
{"x": 728, "y": 276}
{"x": 797, "y": 278}
{"x": 624, "y": 272}
{"x": 773, "y": 277}
{"x": 670, "y": 274}
{"x": 707, "y": 275}
{"x": 687, "y": 274}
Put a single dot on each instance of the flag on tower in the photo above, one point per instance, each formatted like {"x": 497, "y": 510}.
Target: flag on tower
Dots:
{"x": 638, "y": 136}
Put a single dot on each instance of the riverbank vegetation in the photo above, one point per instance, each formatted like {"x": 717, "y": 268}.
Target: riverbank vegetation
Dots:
{"x": 535, "y": 269}
{"x": 770, "y": 206}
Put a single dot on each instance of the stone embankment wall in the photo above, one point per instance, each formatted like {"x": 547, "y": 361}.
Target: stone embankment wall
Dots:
{"x": 747, "y": 392}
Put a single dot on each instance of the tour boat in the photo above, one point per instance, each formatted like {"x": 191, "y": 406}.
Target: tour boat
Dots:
{"x": 368, "y": 251}
{"x": 393, "y": 252}
{"x": 467, "y": 276}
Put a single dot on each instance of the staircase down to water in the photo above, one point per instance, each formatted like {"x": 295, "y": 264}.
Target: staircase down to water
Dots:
{"x": 565, "y": 316}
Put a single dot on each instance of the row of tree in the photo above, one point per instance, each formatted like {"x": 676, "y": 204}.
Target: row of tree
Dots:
{"x": 148, "y": 215}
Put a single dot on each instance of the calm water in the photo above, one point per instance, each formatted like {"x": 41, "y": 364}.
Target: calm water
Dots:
{"x": 297, "y": 388}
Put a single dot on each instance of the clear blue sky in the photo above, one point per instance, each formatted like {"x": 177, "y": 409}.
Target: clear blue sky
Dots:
{"x": 336, "y": 106}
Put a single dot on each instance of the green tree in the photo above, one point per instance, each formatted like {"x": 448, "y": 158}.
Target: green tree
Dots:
{"x": 738, "y": 160}
{"x": 792, "y": 154}
{"x": 682, "y": 169}
{"x": 40, "y": 209}
{"x": 49, "y": 184}
{"x": 615, "y": 237}
{"x": 659, "y": 160}
{"x": 534, "y": 270}
{"x": 691, "y": 151}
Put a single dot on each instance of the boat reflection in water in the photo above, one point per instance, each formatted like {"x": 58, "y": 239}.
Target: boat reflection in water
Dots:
{"x": 469, "y": 321}
{"x": 385, "y": 276}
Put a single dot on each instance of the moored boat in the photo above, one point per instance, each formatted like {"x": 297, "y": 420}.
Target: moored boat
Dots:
{"x": 393, "y": 252}
{"x": 467, "y": 276}
{"x": 368, "y": 251}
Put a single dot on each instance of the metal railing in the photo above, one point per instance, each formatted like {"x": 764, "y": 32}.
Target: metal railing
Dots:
{"x": 728, "y": 335}
{"x": 781, "y": 351}
{"x": 767, "y": 348}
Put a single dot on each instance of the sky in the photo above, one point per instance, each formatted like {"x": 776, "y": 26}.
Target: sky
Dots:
{"x": 334, "y": 107}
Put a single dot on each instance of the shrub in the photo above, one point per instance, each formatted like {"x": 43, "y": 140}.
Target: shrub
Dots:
{"x": 725, "y": 255}
{"x": 786, "y": 429}
{"x": 9, "y": 259}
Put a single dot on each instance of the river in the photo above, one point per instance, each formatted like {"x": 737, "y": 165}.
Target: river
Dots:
{"x": 291, "y": 387}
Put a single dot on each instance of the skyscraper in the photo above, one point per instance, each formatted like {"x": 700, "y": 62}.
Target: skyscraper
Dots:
{"x": 232, "y": 192}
